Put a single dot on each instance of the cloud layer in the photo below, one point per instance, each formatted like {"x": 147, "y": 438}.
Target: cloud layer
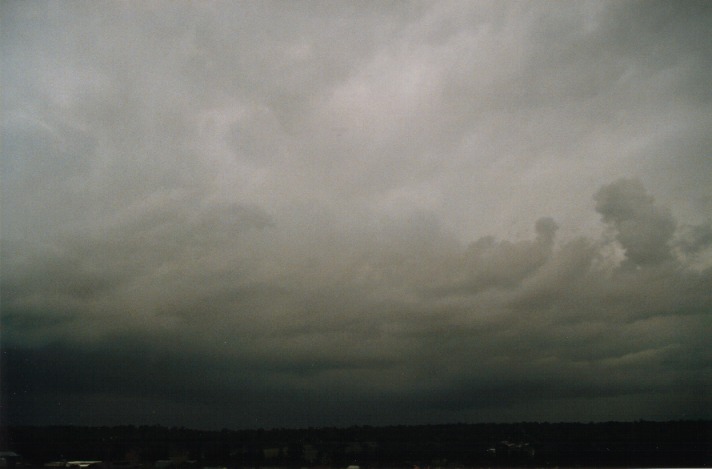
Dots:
{"x": 313, "y": 213}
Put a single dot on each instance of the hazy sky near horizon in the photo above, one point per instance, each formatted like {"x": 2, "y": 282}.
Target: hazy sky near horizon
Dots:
{"x": 280, "y": 214}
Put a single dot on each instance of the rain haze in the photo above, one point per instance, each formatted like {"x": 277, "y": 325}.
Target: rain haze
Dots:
{"x": 292, "y": 214}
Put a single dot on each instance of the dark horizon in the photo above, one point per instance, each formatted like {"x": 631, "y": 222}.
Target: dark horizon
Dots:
{"x": 74, "y": 385}
{"x": 237, "y": 429}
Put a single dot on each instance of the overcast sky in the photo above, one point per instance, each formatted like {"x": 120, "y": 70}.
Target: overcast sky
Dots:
{"x": 289, "y": 214}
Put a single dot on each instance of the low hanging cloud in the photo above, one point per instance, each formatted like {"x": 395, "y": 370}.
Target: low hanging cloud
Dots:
{"x": 215, "y": 317}
{"x": 285, "y": 214}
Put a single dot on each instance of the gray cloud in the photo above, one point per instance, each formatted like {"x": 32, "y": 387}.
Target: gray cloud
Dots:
{"x": 643, "y": 230}
{"x": 335, "y": 213}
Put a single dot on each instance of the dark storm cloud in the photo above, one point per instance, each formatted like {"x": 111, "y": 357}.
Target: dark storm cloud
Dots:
{"x": 538, "y": 326}
{"x": 332, "y": 213}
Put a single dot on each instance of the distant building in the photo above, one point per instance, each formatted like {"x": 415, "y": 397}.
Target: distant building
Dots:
{"x": 507, "y": 448}
{"x": 9, "y": 459}
{"x": 84, "y": 464}
{"x": 56, "y": 464}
